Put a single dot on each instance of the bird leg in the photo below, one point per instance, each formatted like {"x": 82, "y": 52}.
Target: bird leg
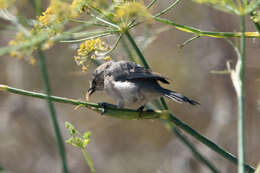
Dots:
{"x": 141, "y": 110}
{"x": 105, "y": 106}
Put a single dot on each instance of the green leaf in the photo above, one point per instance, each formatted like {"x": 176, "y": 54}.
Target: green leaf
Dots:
{"x": 253, "y": 5}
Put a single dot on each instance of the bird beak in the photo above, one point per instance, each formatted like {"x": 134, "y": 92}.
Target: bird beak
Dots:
{"x": 90, "y": 92}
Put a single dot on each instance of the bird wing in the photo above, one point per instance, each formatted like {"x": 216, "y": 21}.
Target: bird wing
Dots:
{"x": 124, "y": 70}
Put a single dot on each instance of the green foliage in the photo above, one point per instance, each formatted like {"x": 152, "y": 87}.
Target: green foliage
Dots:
{"x": 80, "y": 141}
{"x": 77, "y": 139}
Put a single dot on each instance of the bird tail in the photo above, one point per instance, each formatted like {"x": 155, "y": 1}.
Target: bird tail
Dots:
{"x": 177, "y": 96}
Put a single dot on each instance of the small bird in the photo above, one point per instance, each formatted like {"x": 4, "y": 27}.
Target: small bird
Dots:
{"x": 131, "y": 85}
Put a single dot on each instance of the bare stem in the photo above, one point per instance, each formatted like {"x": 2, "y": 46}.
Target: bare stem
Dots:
{"x": 60, "y": 142}
{"x": 240, "y": 97}
{"x": 127, "y": 114}
{"x": 207, "y": 33}
{"x": 88, "y": 160}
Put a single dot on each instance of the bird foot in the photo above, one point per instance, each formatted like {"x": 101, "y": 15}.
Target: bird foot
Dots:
{"x": 105, "y": 106}
{"x": 141, "y": 110}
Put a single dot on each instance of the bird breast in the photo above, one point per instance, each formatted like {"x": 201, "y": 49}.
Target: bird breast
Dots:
{"x": 131, "y": 94}
{"x": 128, "y": 91}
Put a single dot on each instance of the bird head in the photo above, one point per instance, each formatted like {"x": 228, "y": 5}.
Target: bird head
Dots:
{"x": 97, "y": 82}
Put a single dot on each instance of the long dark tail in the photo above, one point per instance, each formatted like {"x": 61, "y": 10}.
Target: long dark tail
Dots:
{"x": 177, "y": 96}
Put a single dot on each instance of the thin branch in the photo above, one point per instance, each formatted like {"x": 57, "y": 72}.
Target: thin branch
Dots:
{"x": 207, "y": 33}
{"x": 195, "y": 152}
{"x": 113, "y": 48}
{"x": 138, "y": 51}
{"x": 127, "y": 50}
{"x": 188, "y": 41}
{"x": 86, "y": 38}
{"x": 105, "y": 21}
{"x": 60, "y": 142}
{"x": 88, "y": 23}
{"x": 207, "y": 142}
{"x": 127, "y": 114}
{"x": 241, "y": 95}
{"x": 151, "y": 4}
{"x": 167, "y": 9}
{"x": 88, "y": 160}
{"x": 88, "y": 35}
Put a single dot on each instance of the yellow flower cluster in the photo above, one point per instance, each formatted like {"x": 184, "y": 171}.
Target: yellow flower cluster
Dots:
{"x": 57, "y": 12}
{"x": 128, "y": 11}
{"x": 21, "y": 38}
{"x": 6, "y": 3}
{"x": 79, "y": 6}
{"x": 90, "y": 49}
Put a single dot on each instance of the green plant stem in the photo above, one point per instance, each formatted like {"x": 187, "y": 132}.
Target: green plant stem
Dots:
{"x": 88, "y": 160}
{"x": 126, "y": 48}
{"x": 207, "y": 142}
{"x": 2, "y": 169}
{"x": 184, "y": 140}
{"x": 188, "y": 41}
{"x": 207, "y": 33}
{"x": 168, "y": 8}
{"x": 127, "y": 114}
{"x": 240, "y": 97}
{"x": 114, "y": 46}
{"x": 86, "y": 38}
{"x": 187, "y": 128}
{"x": 37, "y": 6}
{"x": 138, "y": 51}
{"x": 175, "y": 130}
{"x": 88, "y": 35}
{"x": 257, "y": 26}
{"x": 151, "y": 4}
{"x": 52, "y": 111}
{"x": 195, "y": 152}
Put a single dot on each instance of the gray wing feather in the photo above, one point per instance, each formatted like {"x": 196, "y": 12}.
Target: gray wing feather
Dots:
{"x": 124, "y": 70}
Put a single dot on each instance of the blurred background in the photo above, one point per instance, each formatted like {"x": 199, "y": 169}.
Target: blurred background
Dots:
{"x": 28, "y": 142}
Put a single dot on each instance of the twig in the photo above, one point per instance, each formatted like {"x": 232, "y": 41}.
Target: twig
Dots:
{"x": 88, "y": 159}
{"x": 207, "y": 142}
{"x": 167, "y": 9}
{"x": 151, "y": 4}
{"x": 86, "y": 38}
{"x": 241, "y": 96}
{"x": 195, "y": 152}
{"x": 188, "y": 41}
{"x": 127, "y": 114}
{"x": 52, "y": 111}
{"x": 207, "y": 33}
{"x": 113, "y": 47}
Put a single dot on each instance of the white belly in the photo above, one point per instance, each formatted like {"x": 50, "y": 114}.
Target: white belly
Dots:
{"x": 128, "y": 91}
{"x": 129, "y": 94}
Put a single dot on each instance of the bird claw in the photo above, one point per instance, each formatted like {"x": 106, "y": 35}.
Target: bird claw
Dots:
{"x": 105, "y": 106}
{"x": 141, "y": 110}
